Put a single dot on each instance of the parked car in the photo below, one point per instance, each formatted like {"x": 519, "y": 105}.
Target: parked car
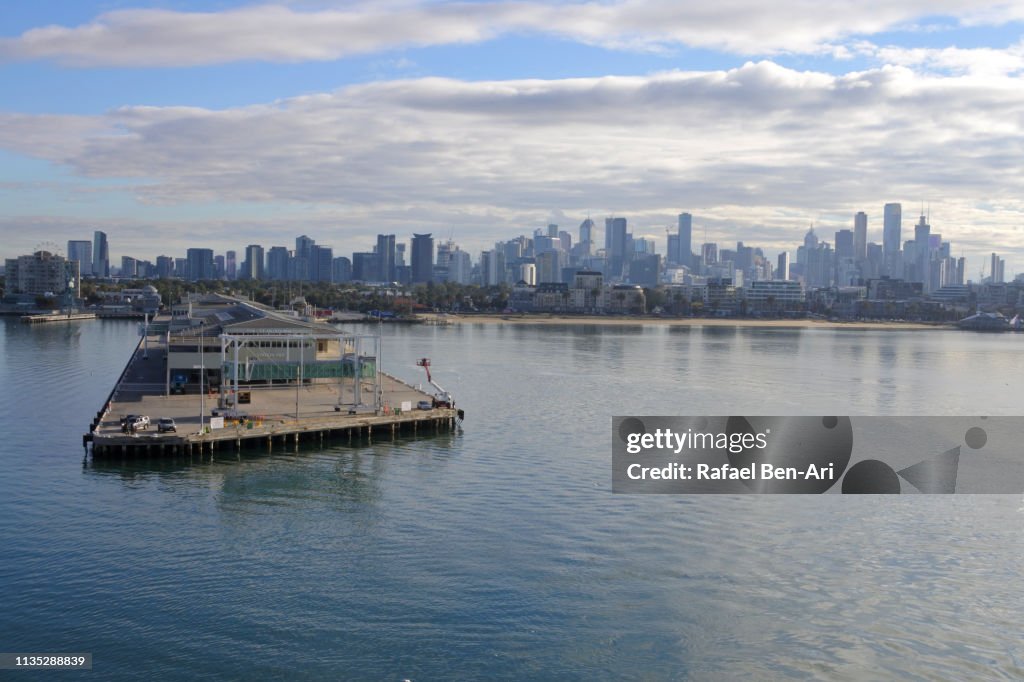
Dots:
{"x": 165, "y": 425}
{"x": 135, "y": 422}
{"x": 424, "y": 405}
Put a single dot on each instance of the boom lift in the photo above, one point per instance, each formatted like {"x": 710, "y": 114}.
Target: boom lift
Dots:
{"x": 442, "y": 398}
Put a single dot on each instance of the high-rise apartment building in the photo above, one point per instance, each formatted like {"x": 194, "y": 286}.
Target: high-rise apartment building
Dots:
{"x": 860, "y": 236}
{"x": 892, "y": 222}
{"x": 782, "y": 270}
{"x": 81, "y": 251}
{"x": 422, "y": 258}
{"x": 321, "y": 263}
{"x": 199, "y": 264}
{"x": 386, "y": 257}
{"x": 277, "y": 263}
{"x": 252, "y": 266}
{"x": 100, "y": 254}
{"x": 685, "y": 244}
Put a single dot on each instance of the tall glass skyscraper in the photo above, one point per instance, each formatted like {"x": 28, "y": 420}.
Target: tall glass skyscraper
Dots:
{"x": 685, "y": 244}
{"x": 100, "y": 255}
{"x": 891, "y": 226}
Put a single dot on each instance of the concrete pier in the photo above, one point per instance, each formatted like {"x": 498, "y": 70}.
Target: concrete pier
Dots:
{"x": 57, "y": 317}
{"x": 277, "y": 415}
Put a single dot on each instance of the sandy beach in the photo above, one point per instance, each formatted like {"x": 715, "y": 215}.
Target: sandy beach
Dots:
{"x": 618, "y": 321}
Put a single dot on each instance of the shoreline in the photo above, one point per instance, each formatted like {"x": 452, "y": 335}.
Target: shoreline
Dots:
{"x": 600, "y": 320}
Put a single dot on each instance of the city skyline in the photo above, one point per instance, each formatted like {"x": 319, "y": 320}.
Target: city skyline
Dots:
{"x": 230, "y": 124}
{"x": 851, "y": 258}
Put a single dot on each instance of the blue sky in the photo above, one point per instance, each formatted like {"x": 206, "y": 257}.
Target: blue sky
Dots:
{"x": 176, "y": 124}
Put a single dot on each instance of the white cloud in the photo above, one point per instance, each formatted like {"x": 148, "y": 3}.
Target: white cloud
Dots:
{"x": 979, "y": 62}
{"x": 277, "y": 33}
{"x": 758, "y": 146}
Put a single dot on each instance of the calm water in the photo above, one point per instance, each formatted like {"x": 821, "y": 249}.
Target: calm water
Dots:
{"x": 499, "y": 552}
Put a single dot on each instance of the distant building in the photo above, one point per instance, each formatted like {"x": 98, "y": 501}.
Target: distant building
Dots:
{"x": 144, "y": 300}
{"x": 128, "y": 267}
{"x": 528, "y": 274}
{"x": 459, "y": 267}
{"x": 644, "y": 270}
{"x": 42, "y": 273}
{"x": 386, "y": 257}
{"x": 782, "y": 271}
{"x": 252, "y": 266}
{"x": 549, "y": 266}
{"x": 587, "y": 293}
{"x": 684, "y": 255}
{"x": 200, "y": 264}
{"x": 997, "y": 269}
{"x": 627, "y": 299}
{"x": 887, "y": 288}
{"x": 422, "y": 258}
{"x": 860, "y": 236}
{"x": 164, "y": 267}
{"x": 364, "y": 266}
{"x": 100, "y": 255}
{"x": 586, "y": 241}
{"x": 891, "y": 228}
{"x": 722, "y": 296}
{"x": 81, "y": 251}
{"x": 231, "y": 265}
{"x": 551, "y": 296}
{"x": 277, "y": 263}
{"x": 341, "y": 270}
{"x": 321, "y": 263}
{"x": 775, "y": 296}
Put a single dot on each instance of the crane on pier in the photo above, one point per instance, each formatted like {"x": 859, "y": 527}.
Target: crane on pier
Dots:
{"x": 442, "y": 398}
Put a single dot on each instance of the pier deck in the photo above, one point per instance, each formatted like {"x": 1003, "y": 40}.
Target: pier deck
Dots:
{"x": 57, "y": 317}
{"x": 276, "y": 414}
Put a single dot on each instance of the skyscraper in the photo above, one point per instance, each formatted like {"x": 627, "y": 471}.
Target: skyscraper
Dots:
{"x": 341, "y": 269}
{"x": 386, "y": 257}
{"x": 231, "y": 265}
{"x": 997, "y": 266}
{"x": 922, "y": 252}
{"x": 100, "y": 255}
{"x": 321, "y": 263}
{"x": 252, "y": 268}
{"x": 685, "y": 255}
{"x": 615, "y": 245}
{"x": 277, "y": 263}
{"x": 782, "y": 271}
{"x": 860, "y": 236}
{"x": 200, "y": 264}
{"x": 422, "y": 258}
{"x": 364, "y": 266}
{"x": 301, "y": 267}
{"x": 303, "y": 245}
{"x": 845, "y": 244}
{"x": 892, "y": 222}
{"x": 81, "y": 251}
{"x": 587, "y": 236}
{"x": 129, "y": 267}
{"x": 164, "y": 267}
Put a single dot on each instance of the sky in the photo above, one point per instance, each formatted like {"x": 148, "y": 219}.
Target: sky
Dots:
{"x": 219, "y": 124}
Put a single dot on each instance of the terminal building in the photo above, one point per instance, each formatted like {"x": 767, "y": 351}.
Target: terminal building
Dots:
{"x": 228, "y": 347}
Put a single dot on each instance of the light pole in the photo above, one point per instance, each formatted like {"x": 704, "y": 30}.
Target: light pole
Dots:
{"x": 202, "y": 371}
